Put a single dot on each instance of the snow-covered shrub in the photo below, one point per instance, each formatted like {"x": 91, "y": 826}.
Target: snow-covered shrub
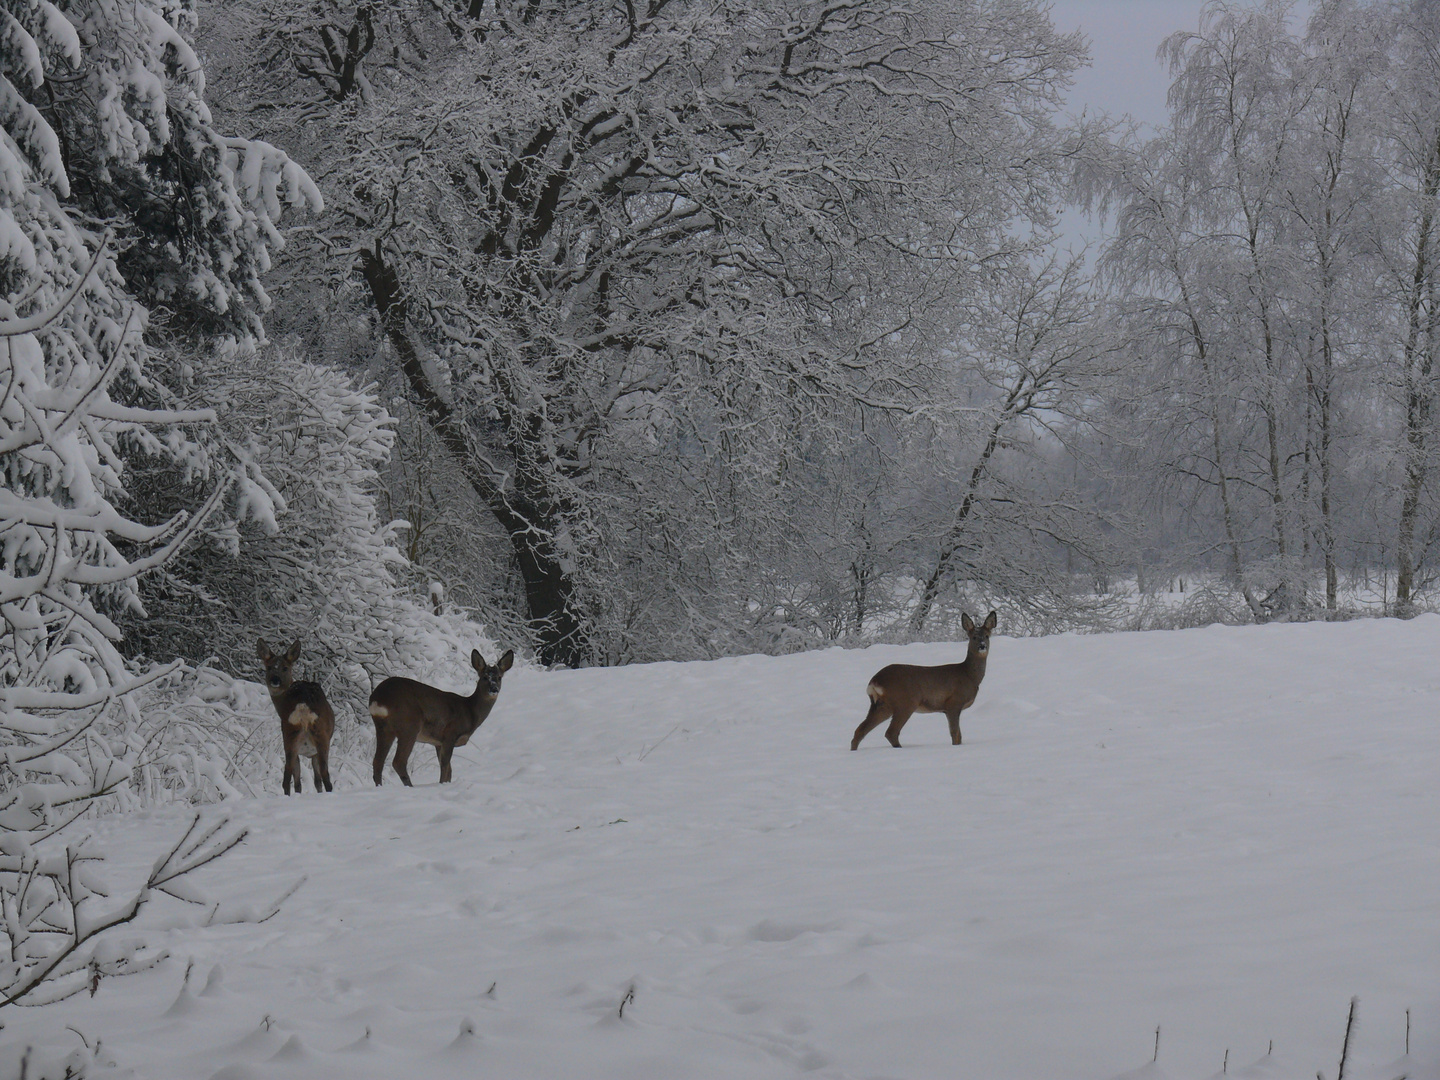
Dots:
{"x": 103, "y": 125}
{"x": 308, "y": 557}
{"x": 1210, "y": 600}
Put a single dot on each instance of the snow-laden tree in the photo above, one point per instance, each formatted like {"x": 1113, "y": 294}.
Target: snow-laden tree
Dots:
{"x": 1274, "y": 251}
{"x": 1409, "y": 243}
{"x": 638, "y": 265}
{"x": 1034, "y": 357}
{"x": 108, "y": 168}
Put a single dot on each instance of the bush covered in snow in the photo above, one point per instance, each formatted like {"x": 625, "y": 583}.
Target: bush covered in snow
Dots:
{"x": 302, "y": 553}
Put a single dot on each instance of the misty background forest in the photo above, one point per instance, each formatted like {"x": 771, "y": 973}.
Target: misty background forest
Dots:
{"x": 636, "y": 333}
{"x": 753, "y": 328}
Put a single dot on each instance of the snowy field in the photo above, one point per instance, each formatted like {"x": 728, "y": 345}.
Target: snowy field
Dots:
{"x": 1225, "y": 832}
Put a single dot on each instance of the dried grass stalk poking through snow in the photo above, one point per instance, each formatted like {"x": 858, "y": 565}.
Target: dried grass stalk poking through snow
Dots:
{"x": 306, "y": 719}
{"x": 900, "y": 690}
{"x": 406, "y": 711}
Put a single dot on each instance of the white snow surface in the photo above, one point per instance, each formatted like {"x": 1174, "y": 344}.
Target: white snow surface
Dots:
{"x": 1225, "y": 832}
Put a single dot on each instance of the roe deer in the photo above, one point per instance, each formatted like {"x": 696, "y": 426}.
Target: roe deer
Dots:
{"x": 306, "y": 719}
{"x": 410, "y": 711}
{"x": 899, "y": 690}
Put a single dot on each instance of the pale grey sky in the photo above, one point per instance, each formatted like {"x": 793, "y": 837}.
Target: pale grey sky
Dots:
{"x": 1124, "y": 76}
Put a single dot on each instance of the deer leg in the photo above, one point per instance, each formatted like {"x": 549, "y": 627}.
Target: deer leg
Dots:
{"x": 384, "y": 739}
{"x": 954, "y": 718}
{"x": 877, "y": 715}
{"x": 289, "y": 737}
{"x": 322, "y": 766}
{"x": 292, "y": 772}
{"x": 893, "y": 731}
{"x": 406, "y": 742}
{"x": 443, "y": 753}
{"x": 321, "y": 769}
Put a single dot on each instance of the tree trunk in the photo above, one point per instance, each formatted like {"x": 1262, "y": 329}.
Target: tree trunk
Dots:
{"x": 1327, "y": 522}
{"x": 951, "y": 543}
{"x": 557, "y": 627}
{"x": 1419, "y": 359}
{"x": 1197, "y": 336}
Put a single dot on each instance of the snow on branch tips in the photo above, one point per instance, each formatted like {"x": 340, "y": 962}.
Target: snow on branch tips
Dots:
{"x": 77, "y": 411}
{"x": 56, "y": 907}
{"x": 68, "y": 556}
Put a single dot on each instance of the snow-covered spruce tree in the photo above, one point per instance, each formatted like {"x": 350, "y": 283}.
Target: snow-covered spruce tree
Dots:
{"x": 107, "y": 166}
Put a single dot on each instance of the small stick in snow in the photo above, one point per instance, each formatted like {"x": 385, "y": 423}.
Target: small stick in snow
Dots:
{"x": 662, "y": 738}
{"x": 1345, "y": 1049}
{"x": 626, "y": 1000}
{"x": 1157, "y": 1043}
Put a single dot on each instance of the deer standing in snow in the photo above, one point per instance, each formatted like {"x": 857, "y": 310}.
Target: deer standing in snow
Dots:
{"x": 406, "y": 711}
{"x": 306, "y": 719}
{"x": 898, "y": 691}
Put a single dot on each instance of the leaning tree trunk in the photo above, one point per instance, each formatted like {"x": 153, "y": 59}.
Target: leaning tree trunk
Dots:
{"x": 530, "y": 521}
{"x": 1418, "y": 361}
{"x": 930, "y": 592}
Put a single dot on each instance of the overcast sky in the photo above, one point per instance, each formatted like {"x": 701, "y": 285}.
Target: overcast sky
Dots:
{"x": 1124, "y": 76}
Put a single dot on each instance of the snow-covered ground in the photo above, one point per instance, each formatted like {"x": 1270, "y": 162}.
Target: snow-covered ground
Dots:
{"x": 1225, "y": 832}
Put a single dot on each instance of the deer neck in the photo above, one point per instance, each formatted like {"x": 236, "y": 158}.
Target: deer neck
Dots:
{"x": 480, "y": 703}
{"x": 975, "y": 662}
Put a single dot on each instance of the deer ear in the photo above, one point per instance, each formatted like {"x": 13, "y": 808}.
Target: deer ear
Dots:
{"x": 966, "y": 622}
{"x": 506, "y": 660}
{"x": 990, "y": 621}
{"x": 293, "y": 653}
{"x": 477, "y": 661}
{"x": 262, "y": 650}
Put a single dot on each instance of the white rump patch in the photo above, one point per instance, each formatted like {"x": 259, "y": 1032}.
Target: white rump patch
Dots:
{"x": 380, "y": 712}
{"x": 302, "y": 717}
{"x": 874, "y": 690}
